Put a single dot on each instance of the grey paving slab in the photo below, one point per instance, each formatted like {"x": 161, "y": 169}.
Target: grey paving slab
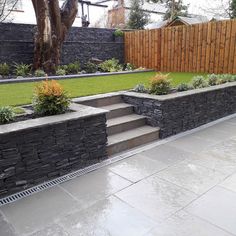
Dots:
{"x": 137, "y": 167}
{"x": 195, "y": 178}
{"x": 110, "y": 217}
{"x": 6, "y": 228}
{"x": 192, "y": 144}
{"x": 52, "y": 230}
{"x": 229, "y": 183}
{"x": 209, "y": 160}
{"x": 232, "y": 120}
{"x": 218, "y": 207}
{"x": 184, "y": 224}
{"x": 167, "y": 154}
{"x": 156, "y": 198}
{"x": 37, "y": 211}
{"x": 94, "y": 186}
{"x": 226, "y": 126}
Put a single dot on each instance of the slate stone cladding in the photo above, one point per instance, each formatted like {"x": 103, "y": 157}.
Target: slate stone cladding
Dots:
{"x": 183, "y": 113}
{"x": 31, "y": 156}
{"x": 16, "y": 44}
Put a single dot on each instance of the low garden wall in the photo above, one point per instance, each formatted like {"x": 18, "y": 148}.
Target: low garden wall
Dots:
{"x": 37, "y": 150}
{"x": 178, "y": 112}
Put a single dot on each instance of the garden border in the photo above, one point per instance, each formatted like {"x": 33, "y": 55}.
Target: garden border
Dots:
{"x": 62, "y": 77}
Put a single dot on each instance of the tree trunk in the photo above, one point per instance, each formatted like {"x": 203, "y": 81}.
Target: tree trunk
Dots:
{"x": 53, "y": 24}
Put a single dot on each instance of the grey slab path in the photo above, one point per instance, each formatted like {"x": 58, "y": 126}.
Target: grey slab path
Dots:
{"x": 183, "y": 187}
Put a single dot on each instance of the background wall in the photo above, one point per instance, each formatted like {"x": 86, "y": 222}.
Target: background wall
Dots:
{"x": 16, "y": 44}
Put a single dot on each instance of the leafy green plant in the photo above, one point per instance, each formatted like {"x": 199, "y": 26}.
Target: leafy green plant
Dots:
{"x": 212, "y": 79}
{"x": 118, "y": 33}
{"x": 7, "y": 114}
{"x": 22, "y": 69}
{"x": 60, "y": 72}
{"x": 73, "y": 68}
{"x": 140, "y": 88}
{"x": 50, "y": 99}
{"x": 111, "y": 65}
{"x": 184, "y": 87}
{"x": 39, "y": 73}
{"x": 224, "y": 78}
{"x": 160, "y": 84}
{"x": 199, "y": 82}
{"x": 129, "y": 67}
{"x": 90, "y": 67}
{"x": 4, "y": 69}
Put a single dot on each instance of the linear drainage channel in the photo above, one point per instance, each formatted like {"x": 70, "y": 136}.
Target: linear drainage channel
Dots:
{"x": 54, "y": 182}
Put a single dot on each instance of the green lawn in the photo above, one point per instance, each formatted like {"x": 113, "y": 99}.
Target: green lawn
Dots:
{"x": 21, "y": 93}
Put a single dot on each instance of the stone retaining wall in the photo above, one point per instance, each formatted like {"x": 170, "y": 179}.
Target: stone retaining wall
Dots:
{"x": 16, "y": 44}
{"x": 183, "y": 111}
{"x": 38, "y": 150}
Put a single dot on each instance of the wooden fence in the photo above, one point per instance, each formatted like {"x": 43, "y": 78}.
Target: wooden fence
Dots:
{"x": 208, "y": 47}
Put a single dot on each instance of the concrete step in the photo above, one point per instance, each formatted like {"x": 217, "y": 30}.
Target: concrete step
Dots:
{"x": 131, "y": 138}
{"x": 102, "y": 101}
{"x": 118, "y": 110}
{"x": 124, "y": 123}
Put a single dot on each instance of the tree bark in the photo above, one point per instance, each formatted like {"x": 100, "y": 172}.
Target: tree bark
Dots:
{"x": 53, "y": 24}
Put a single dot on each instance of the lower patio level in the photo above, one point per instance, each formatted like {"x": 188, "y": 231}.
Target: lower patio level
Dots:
{"x": 181, "y": 186}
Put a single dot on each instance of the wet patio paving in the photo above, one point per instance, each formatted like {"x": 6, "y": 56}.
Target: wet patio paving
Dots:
{"x": 184, "y": 187}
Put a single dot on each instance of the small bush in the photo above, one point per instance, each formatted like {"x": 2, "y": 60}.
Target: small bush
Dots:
{"x": 90, "y": 67}
{"x": 60, "y": 72}
{"x": 129, "y": 67}
{"x": 184, "y": 87}
{"x": 118, "y": 33}
{"x": 22, "y": 69}
{"x": 7, "y": 114}
{"x": 199, "y": 82}
{"x": 224, "y": 78}
{"x": 160, "y": 85}
{"x": 111, "y": 65}
{"x": 50, "y": 99}
{"x": 140, "y": 88}
{"x": 212, "y": 79}
{"x": 39, "y": 73}
{"x": 73, "y": 68}
{"x": 4, "y": 69}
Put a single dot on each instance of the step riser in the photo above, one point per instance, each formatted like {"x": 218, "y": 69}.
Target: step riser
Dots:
{"x": 120, "y": 112}
{"x": 132, "y": 143}
{"x": 103, "y": 101}
{"x": 126, "y": 126}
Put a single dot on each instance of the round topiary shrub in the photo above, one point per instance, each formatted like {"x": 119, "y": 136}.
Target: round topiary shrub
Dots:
{"x": 50, "y": 99}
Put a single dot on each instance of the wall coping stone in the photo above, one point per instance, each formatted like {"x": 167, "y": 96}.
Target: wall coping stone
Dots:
{"x": 78, "y": 76}
{"x": 80, "y": 112}
{"x": 179, "y": 94}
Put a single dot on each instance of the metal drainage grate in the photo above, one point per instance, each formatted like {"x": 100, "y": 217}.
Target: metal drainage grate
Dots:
{"x": 54, "y": 182}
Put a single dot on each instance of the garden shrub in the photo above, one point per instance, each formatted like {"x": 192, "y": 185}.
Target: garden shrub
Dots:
{"x": 7, "y": 114}
{"x": 160, "y": 84}
{"x": 184, "y": 87}
{"x": 213, "y": 79}
{"x": 140, "y": 88}
{"x": 199, "y": 82}
{"x": 50, "y": 99}
{"x": 224, "y": 78}
{"x": 4, "y": 69}
{"x": 73, "y": 68}
{"x": 60, "y": 72}
{"x": 118, "y": 33}
{"x": 129, "y": 67}
{"x": 39, "y": 73}
{"x": 22, "y": 69}
{"x": 111, "y": 65}
{"x": 90, "y": 67}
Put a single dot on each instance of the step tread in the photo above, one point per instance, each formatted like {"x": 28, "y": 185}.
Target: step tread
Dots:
{"x": 130, "y": 134}
{"x": 124, "y": 119}
{"x": 116, "y": 106}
